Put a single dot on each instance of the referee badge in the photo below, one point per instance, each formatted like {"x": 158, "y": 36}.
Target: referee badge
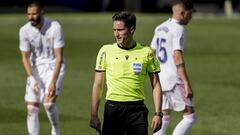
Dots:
{"x": 137, "y": 68}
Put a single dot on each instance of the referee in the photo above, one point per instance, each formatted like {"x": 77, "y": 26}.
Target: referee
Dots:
{"x": 125, "y": 64}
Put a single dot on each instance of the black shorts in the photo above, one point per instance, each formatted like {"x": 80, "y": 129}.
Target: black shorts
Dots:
{"x": 125, "y": 118}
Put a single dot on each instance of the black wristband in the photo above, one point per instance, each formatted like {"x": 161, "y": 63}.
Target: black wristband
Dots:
{"x": 160, "y": 114}
{"x": 180, "y": 65}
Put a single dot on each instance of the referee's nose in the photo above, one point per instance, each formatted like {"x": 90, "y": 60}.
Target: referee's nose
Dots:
{"x": 116, "y": 33}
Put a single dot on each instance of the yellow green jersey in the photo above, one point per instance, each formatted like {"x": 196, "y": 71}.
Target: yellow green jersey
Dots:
{"x": 126, "y": 70}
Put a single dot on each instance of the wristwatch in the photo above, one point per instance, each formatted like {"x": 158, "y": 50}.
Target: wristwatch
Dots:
{"x": 160, "y": 114}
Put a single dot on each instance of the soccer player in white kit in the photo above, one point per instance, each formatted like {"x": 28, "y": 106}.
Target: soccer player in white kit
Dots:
{"x": 41, "y": 45}
{"x": 168, "y": 44}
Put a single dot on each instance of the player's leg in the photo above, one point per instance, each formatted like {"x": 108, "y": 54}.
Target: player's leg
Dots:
{"x": 50, "y": 102}
{"x": 52, "y": 113}
{"x": 32, "y": 118}
{"x": 189, "y": 117}
{"x": 32, "y": 97}
{"x": 165, "y": 122}
{"x": 166, "y": 108}
{"x": 186, "y": 123}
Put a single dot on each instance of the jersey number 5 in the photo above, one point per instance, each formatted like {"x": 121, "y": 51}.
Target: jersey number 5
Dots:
{"x": 162, "y": 52}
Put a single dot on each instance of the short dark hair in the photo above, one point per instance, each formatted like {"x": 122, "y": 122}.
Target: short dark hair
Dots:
{"x": 127, "y": 17}
{"x": 187, "y": 4}
{"x": 36, "y": 3}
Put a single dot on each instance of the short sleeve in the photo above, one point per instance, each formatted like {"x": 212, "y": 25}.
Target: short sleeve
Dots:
{"x": 179, "y": 40}
{"x": 154, "y": 41}
{"x": 153, "y": 64}
{"x": 23, "y": 41}
{"x": 58, "y": 35}
{"x": 101, "y": 60}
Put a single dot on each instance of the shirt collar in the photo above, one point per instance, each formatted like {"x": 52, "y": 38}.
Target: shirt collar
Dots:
{"x": 173, "y": 20}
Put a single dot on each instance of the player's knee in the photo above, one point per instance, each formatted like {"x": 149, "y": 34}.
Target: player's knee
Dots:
{"x": 48, "y": 105}
{"x": 32, "y": 109}
{"x": 190, "y": 117}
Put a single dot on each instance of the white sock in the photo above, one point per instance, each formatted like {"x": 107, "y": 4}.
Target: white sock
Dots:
{"x": 53, "y": 117}
{"x": 165, "y": 122}
{"x": 185, "y": 124}
{"x": 32, "y": 120}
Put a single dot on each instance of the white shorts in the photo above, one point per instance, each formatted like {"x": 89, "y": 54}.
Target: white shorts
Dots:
{"x": 175, "y": 99}
{"x": 43, "y": 75}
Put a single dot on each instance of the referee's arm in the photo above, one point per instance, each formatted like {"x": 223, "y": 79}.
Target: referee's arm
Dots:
{"x": 157, "y": 99}
{"x": 96, "y": 97}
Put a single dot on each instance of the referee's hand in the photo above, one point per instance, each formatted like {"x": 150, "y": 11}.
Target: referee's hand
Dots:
{"x": 96, "y": 124}
{"x": 99, "y": 131}
{"x": 156, "y": 123}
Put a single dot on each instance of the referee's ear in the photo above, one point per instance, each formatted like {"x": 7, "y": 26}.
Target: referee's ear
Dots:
{"x": 132, "y": 29}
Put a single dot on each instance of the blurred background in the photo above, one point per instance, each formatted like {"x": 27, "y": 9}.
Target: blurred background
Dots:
{"x": 202, "y": 6}
{"x": 212, "y": 60}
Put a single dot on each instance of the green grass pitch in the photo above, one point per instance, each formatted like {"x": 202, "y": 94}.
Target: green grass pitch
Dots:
{"x": 212, "y": 60}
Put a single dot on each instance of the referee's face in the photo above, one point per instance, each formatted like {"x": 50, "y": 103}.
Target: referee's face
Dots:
{"x": 122, "y": 34}
{"x": 34, "y": 15}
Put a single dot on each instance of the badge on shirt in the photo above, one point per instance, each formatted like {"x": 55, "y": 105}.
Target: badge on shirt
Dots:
{"x": 137, "y": 68}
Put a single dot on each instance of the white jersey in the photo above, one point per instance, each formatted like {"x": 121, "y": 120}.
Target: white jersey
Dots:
{"x": 41, "y": 43}
{"x": 169, "y": 36}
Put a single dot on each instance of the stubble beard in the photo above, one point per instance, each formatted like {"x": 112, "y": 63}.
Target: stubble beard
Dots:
{"x": 36, "y": 22}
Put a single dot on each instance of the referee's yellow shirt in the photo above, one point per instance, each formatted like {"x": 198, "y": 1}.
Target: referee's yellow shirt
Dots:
{"x": 126, "y": 70}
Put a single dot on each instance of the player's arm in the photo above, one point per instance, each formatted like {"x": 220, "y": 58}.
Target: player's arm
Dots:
{"x": 96, "y": 97}
{"x": 26, "y": 62}
{"x": 154, "y": 51}
{"x": 58, "y": 52}
{"x": 181, "y": 70}
{"x": 28, "y": 70}
{"x": 25, "y": 52}
{"x": 157, "y": 99}
{"x": 58, "y": 45}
